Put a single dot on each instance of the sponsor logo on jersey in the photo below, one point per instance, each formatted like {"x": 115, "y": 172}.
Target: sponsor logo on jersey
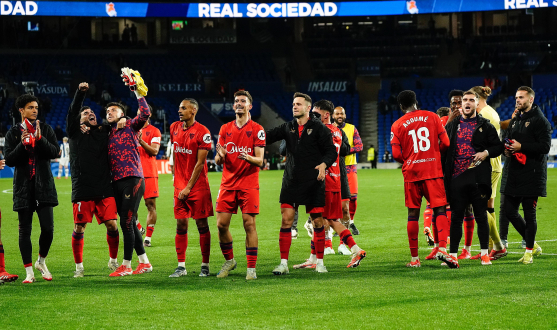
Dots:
{"x": 261, "y": 135}
{"x": 424, "y": 160}
{"x": 181, "y": 150}
{"x": 231, "y": 148}
{"x": 248, "y": 133}
{"x": 228, "y": 134}
{"x": 337, "y": 134}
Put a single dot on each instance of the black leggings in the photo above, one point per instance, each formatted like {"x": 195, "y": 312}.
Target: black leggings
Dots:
{"x": 503, "y": 220}
{"x": 527, "y": 226}
{"x": 46, "y": 220}
{"x": 465, "y": 191}
{"x": 128, "y": 193}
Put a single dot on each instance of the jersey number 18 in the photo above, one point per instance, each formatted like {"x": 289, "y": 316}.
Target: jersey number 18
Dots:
{"x": 423, "y": 136}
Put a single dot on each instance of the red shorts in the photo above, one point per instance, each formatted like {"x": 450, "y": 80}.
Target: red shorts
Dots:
{"x": 309, "y": 208}
{"x": 197, "y": 205}
{"x": 229, "y": 200}
{"x": 103, "y": 209}
{"x": 433, "y": 190}
{"x": 353, "y": 182}
{"x": 151, "y": 188}
{"x": 333, "y": 205}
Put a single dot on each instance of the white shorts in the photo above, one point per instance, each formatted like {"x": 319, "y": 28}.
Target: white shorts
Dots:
{"x": 171, "y": 160}
{"x": 64, "y": 162}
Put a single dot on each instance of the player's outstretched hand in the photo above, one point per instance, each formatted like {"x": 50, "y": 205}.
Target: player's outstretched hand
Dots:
{"x": 321, "y": 167}
{"x": 83, "y": 87}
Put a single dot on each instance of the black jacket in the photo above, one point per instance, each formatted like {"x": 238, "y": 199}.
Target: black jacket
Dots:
{"x": 88, "y": 156}
{"x": 533, "y": 131}
{"x": 484, "y": 138}
{"x": 299, "y": 182}
{"x": 46, "y": 148}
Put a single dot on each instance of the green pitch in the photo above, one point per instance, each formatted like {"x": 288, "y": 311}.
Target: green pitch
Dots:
{"x": 381, "y": 293}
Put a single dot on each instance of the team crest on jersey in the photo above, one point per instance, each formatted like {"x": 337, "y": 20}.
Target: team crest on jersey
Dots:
{"x": 408, "y": 162}
{"x": 481, "y": 129}
{"x": 261, "y": 135}
{"x": 527, "y": 123}
{"x": 309, "y": 131}
{"x": 248, "y": 133}
{"x": 192, "y": 135}
{"x": 147, "y": 133}
{"x": 175, "y": 133}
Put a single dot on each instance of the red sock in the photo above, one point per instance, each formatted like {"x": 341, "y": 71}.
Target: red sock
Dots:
{"x": 2, "y": 262}
{"x": 251, "y": 255}
{"x": 428, "y": 214}
{"x": 77, "y": 247}
{"x": 328, "y": 243}
{"x": 181, "y": 242}
{"x": 352, "y": 206}
{"x": 139, "y": 225}
{"x": 113, "y": 240}
{"x": 227, "y": 251}
{"x": 413, "y": 229}
{"x": 434, "y": 230}
{"x": 319, "y": 242}
{"x": 442, "y": 224}
{"x": 449, "y": 213}
{"x": 150, "y": 230}
{"x": 285, "y": 240}
{"x": 468, "y": 229}
{"x": 205, "y": 243}
{"x": 346, "y": 238}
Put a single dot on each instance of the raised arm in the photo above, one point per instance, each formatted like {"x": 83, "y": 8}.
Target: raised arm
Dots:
{"x": 72, "y": 119}
{"x": 139, "y": 121}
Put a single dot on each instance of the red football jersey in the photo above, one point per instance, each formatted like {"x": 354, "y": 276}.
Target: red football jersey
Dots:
{"x": 238, "y": 174}
{"x": 417, "y": 134}
{"x": 332, "y": 174}
{"x": 444, "y": 120}
{"x": 185, "y": 144}
{"x": 150, "y": 134}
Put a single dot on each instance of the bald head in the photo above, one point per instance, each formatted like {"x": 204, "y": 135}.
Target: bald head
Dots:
{"x": 339, "y": 116}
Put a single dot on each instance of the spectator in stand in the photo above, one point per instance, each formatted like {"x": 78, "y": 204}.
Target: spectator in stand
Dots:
{"x": 133, "y": 34}
{"x": 387, "y": 157}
